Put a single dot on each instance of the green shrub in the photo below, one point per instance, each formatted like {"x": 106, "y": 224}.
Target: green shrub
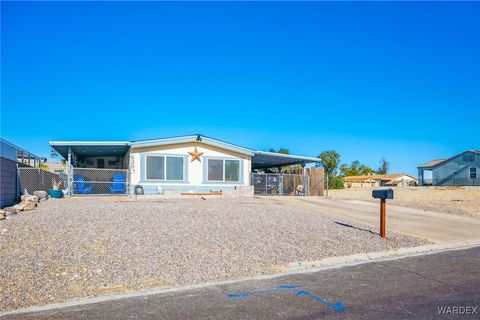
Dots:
{"x": 335, "y": 183}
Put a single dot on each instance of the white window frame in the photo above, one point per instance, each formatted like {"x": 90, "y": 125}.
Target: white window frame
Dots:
{"x": 223, "y": 164}
{"x": 165, "y": 156}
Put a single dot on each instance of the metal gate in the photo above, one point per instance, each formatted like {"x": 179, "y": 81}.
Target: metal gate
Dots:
{"x": 93, "y": 181}
{"x": 285, "y": 184}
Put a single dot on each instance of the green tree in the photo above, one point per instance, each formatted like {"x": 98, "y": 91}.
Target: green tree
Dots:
{"x": 384, "y": 166}
{"x": 364, "y": 170}
{"x": 336, "y": 183}
{"x": 330, "y": 160}
{"x": 356, "y": 168}
{"x": 43, "y": 166}
{"x": 282, "y": 150}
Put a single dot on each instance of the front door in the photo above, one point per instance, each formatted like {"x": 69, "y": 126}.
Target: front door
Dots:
{"x": 101, "y": 163}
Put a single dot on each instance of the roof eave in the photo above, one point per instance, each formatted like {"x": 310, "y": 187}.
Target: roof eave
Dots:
{"x": 293, "y": 157}
{"x": 193, "y": 138}
{"x": 88, "y": 143}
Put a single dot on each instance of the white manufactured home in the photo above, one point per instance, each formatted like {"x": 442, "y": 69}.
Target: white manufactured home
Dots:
{"x": 185, "y": 164}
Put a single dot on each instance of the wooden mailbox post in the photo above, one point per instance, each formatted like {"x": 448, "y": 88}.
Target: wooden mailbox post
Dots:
{"x": 383, "y": 195}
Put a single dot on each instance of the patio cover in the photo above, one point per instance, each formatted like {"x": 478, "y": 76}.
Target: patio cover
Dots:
{"x": 91, "y": 148}
{"x": 262, "y": 160}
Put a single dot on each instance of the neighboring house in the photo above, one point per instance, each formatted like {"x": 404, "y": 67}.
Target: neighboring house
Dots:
{"x": 460, "y": 170}
{"x": 12, "y": 157}
{"x": 380, "y": 180}
{"x": 193, "y": 163}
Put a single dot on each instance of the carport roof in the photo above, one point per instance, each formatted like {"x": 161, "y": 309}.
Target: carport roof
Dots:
{"x": 91, "y": 148}
{"x": 262, "y": 160}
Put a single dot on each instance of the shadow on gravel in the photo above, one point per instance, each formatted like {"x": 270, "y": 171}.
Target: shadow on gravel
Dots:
{"x": 354, "y": 227}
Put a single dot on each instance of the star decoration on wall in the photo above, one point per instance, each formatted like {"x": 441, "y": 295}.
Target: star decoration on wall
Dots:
{"x": 196, "y": 155}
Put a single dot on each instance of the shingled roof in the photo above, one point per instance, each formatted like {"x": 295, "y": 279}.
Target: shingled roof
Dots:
{"x": 432, "y": 163}
{"x": 436, "y": 162}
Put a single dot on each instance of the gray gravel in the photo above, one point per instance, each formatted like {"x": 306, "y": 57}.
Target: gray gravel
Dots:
{"x": 81, "y": 247}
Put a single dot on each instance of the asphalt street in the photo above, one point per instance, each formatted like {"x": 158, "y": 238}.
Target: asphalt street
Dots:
{"x": 409, "y": 288}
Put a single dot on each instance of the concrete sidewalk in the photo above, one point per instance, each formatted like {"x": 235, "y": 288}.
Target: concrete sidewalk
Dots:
{"x": 436, "y": 227}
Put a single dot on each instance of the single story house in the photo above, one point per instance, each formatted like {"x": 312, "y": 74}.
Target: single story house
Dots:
{"x": 462, "y": 169}
{"x": 380, "y": 180}
{"x": 193, "y": 163}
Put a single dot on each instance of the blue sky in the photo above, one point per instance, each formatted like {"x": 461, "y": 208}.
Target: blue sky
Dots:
{"x": 370, "y": 80}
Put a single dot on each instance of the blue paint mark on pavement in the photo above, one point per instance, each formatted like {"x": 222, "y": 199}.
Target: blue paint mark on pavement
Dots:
{"x": 337, "y": 306}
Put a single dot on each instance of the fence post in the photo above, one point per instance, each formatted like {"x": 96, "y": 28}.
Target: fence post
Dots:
{"x": 266, "y": 183}
{"x": 69, "y": 171}
{"x": 127, "y": 187}
{"x": 305, "y": 182}
{"x": 280, "y": 182}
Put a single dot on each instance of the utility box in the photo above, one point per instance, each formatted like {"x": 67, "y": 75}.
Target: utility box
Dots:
{"x": 383, "y": 194}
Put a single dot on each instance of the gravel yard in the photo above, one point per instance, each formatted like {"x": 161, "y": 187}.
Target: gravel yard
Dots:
{"x": 453, "y": 200}
{"x": 83, "y": 247}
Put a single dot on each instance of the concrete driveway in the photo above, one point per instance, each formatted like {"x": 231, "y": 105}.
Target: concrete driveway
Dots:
{"x": 436, "y": 227}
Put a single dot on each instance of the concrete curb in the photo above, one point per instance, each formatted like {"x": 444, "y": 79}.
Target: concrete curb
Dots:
{"x": 294, "y": 268}
{"x": 361, "y": 258}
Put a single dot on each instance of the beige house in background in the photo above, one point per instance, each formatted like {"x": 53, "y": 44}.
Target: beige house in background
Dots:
{"x": 56, "y": 167}
{"x": 380, "y": 180}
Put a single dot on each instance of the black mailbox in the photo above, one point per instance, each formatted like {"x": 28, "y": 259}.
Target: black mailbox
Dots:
{"x": 383, "y": 194}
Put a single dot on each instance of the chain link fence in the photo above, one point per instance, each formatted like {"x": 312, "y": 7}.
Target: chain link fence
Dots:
{"x": 279, "y": 184}
{"x": 92, "y": 181}
{"x": 35, "y": 179}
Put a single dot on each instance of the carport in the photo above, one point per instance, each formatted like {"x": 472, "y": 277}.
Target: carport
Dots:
{"x": 298, "y": 183}
{"x": 264, "y": 160}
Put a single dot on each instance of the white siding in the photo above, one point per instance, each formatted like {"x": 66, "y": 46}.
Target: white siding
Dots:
{"x": 194, "y": 179}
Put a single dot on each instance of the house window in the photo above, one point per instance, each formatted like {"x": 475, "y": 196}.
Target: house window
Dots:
{"x": 223, "y": 170}
{"x": 175, "y": 168}
{"x": 156, "y": 168}
{"x": 169, "y": 168}
{"x": 232, "y": 170}
{"x": 473, "y": 173}
{"x": 215, "y": 170}
{"x": 112, "y": 162}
